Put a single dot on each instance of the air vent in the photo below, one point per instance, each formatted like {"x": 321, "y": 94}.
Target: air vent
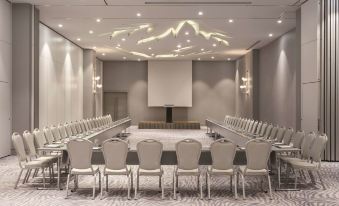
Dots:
{"x": 198, "y": 3}
{"x": 253, "y": 45}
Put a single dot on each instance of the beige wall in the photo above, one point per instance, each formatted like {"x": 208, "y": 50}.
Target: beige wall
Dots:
{"x": 5, "y": 77}
{"x": 99, "y": 93}
{"x": 213, "y": 90}
{"x": 60, "y": 79}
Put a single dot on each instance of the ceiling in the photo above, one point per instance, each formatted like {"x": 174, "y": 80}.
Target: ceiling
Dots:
{"x": 253, "y": 21}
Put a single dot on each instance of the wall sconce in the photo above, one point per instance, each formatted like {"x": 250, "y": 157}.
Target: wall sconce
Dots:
{"x": 245, "y": 86}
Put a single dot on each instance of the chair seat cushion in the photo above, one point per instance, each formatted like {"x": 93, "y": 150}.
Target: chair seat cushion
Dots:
{"x": 183, "y": 172}
{"x": 252, "y": 172}
{"x": 87, "y": 171}
{"x": 214, "y": 171}
{"x": 290, "y": 159}
{"x": 302, "y": 164}
{"x": 156, "y": 172}
{"x": 47, "y": 158}
{"x": 124, "y": 171}
{"x": 37, "y": 164}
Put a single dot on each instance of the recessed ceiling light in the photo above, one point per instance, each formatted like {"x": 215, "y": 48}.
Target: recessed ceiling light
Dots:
{"x": 78, "y": 39}
{"x": 200, "y": 13}
{"x": 230, "y": 21}
{"x": 199, "y": 59}
{"x": 188, "y": 41}
{"x": 152, "y": 54}
{"x": 149, "y": 48}
{"x": 270, "y": 34}
{"x": 214, "y": 45}
{"x": 91, "y": 31}
{"x": 212, "y": 57}
{"x": 279, "y": 21}
{"x": 138, "y": 14}
{"x": 139, "y": 60}
{"x": 187, "y": 33}
{"x": 60, "y": 25}
{"x": 118, "y": 45}
{"x": 124, "y": 57}
{"x": 94, "y": 47}
{"x": 103, "y": 54}
{"x": 98, "y": 20}
{"x": 123, "y": 39}
{"x": 178, "y": 46}
{"x": 202, "y": 49}
{"x": 228, "y": 59}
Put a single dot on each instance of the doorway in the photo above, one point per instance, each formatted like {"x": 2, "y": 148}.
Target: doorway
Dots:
{"x": 115, "y": 104}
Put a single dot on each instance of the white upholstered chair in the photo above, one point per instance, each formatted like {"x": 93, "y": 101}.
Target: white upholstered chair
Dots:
{"x": 149, "y": 154}
{"x": 223, "y": 153}
{"x": 188, "y": 154}
{"x": 115, "y": 154}
{"x": 49, "y": 135}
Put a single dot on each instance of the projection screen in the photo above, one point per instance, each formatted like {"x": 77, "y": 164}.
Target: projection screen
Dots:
{"x": 170, "y": 83}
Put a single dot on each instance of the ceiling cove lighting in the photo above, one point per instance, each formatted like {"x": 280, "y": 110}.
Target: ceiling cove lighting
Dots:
{"x": 230, "y": 21}
{"x": 98, "y": 20}
{"x": 270, "y": 35}
{"x": 60, "y": 25}
{"x": 200, "y": 13}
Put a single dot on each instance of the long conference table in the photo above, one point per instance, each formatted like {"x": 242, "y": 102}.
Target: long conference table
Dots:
{"x": 97, "y": 136}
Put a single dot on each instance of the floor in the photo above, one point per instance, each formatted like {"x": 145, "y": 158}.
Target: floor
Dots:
{"x": 149, "y": 192}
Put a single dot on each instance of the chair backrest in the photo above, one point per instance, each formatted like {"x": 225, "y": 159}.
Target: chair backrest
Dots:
{"x": 88, "y": 128}
{"x": 73, "y": 128}
{"x": 273, "y": 133}
{"x": 268, "y": 131}
{"x": 280, "y": 134}
{"x": 257, "y": 154}
{"x": 19, "y": 147}
{"x": 318, "y": 147}
{"x": 254, "y": 127}
{"x": 82, "y": 125}
{"x": 223, "y": 152}
{"x": 288, "y": 136}
{"x": 56, "y": 133}
{"x": 306, "y": 145}
{"x": 263, "y": 129}
{"x": 28, "y": 138}
{"x": 188, "y": 154}
{"x": 297, "y": 139}
{"x": 78, "y": 127}
{"x": 80, "y": 153}
{"x": 40, "y": 137}
{"x": 249, "y": 128}
{"x": 149, "y": 154}
{"x": 62, "y": 131}
{"x": 49, "y": 135}
{"x": 258, "y": 128}
{"x": 115, "y": 153}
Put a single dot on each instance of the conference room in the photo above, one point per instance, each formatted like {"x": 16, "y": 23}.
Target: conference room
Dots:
{"x": 157, "y": 102}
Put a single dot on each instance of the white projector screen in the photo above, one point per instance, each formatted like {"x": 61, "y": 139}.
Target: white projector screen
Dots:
{"x": 170, "y": 83}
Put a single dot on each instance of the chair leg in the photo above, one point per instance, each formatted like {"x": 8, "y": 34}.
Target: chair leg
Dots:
{"x": 35, "y": 172}
{"x": 159, "y": 182}
{"x": 102, "y": 188}
{"x": 231, "y": 180}
{"x": 94, "y": 181}
{"x": 269, "y": 186}
{"x": 129, "y": 186}
{"x": 198, "y": 182}
{"x": 243, "y": 186}
{"x": 136, "y": 187}
{"x": 67, "y": 184}
{"x": 131, "y": 173}
{"x": 321, "y": 180}
{"x": 174, "y": 187}
{"x": 106, "y": 183}
{"x": 43, "y": 177}
{"x": 235, "y": 186}
{"x": 208, "y": 179}
{"x": 296, "y": 179}
{"x": 162, "y": 188}
{"x": 17, "y": 181}
{"x": 24, "y": 180}
{"x": 200, "y": 187}
{"x": 99, "y": 180}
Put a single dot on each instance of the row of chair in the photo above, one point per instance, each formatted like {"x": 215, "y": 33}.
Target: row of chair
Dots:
{"x": 26, "y": 146}
{"x": 311, "y": 145}
{"x": 150, "y": 152}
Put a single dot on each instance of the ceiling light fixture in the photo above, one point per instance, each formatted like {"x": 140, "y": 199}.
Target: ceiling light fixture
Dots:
{"x": 178, "y": 46}
{"x": 103, "y": 54}
{"x": 91, "y": 31}
{"x": 187, "y": 33}
{"x": 139, "y": 60}
{"x": 279, "y": 21}
{"x": 200, "y": 13}
{"x": 188, "y": 41}
{"x": 152, "y": 54}
{"x": 78, "y": 39}
{"x": 94, "y": 47}
{"x": 228, "y": 59}
{"x": 149, "y": 48}
{"x": 98, "y": 20}
{"x": 202, "y": 49}
{"x": 123, "y": 39}
{"x": 212, "y": 57}
{"x": 138, "y": 14}
{"x": 124, "y": 57}
{"x": 214, "y": 45}
{"x": 199, "y": 59}
{"x": 270, "y": 35}
{"x": 118, "y": 45}
{"x": 230, "y": 21}
{"x": 60, "y": 25}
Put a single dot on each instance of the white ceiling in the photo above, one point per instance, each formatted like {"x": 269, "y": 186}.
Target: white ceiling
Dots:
{"x": 253, "y": 21}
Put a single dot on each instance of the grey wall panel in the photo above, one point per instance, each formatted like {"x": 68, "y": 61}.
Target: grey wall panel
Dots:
{"x": 88, "y": 87}
{"x": 213, "y": 90}
{"x": 99, "y": 93}
{"x": 277, "y": 81}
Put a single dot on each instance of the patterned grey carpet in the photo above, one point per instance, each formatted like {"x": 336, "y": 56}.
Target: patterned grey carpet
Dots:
{"x": 149, "y": 193}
